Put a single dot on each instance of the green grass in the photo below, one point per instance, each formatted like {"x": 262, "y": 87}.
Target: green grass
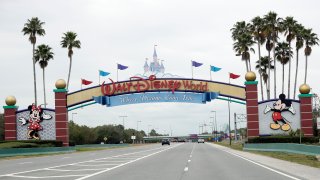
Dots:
{"x": 17, "y": 145}
{"x": 234, "y": 145}
{"x": 296, "y": 158}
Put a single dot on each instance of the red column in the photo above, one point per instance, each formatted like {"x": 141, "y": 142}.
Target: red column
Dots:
{"x": 10, "y": 123}
{"x": 62, "y": 131}
{"x": 252, "y": 109}
{"x": 306, "y": 114}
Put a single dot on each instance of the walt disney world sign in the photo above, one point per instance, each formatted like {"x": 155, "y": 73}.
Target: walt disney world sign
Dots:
{"x": 140, "y": 86}
{"x": 152, "y": 89}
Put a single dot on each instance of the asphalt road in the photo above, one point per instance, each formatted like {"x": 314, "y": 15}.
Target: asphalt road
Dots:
{"x": 186, "y": 161}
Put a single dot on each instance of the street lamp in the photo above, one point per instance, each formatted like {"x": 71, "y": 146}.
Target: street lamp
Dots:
{"x": 72, "y": 116}
{"x": 123, "y": 124}
{"x": 216, "y": 127}
{"x": 138, "y": 125}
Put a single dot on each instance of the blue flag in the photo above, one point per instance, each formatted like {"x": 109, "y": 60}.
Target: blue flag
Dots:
{"x": 122, "y": 67}
{"x": 196, "y": 64}
{"x": 215, "y": 69}
{"x": 103, "y": 73}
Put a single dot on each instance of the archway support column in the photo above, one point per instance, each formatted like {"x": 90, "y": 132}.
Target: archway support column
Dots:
{"x": 252, "y": 109}
{"x": 62, "y": 131}
{"x": 10, "y": 123}
{"x": 306, "y": 114}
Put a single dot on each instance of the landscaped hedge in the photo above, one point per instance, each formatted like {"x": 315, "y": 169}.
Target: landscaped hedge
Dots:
{"x": 34, "y": 143}
{"x": 283, "y": 139}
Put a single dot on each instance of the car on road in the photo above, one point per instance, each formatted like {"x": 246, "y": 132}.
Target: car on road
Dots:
{"x": 200, "y": 140}
{"x": 165, "y": 141}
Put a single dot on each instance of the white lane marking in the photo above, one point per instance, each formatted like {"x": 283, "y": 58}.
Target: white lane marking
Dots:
{"x": 190, "y": 156}
{"x": 189, "y": 161}
{"x": 110, "y": 161}
{"x": 45, "y": 177}
{"x": 186, "y": 169}
{"x": 65, "y": 157}
{"x": 25, "y": 163}
{"x": 127, "y": 154}
{"x": 95, "y": 164}
{"x": 192, "y": 150}
{"x": 67, "y": 170}
{"x": 261, "y": 165}
{"x": 92, "y": 154}
{"x": 94, "y": 174}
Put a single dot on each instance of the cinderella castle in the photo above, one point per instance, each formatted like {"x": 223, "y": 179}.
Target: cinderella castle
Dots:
{"x": 155, "y": 67}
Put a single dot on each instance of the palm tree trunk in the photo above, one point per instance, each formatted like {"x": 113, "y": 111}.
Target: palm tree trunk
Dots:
{"x": 306, "y": 69}
{"x": 44, "y": 88}
{"x": 269, "y": 66}
{"x": 69, "y": 71}
{"x": 289, "y": 79}
{"x": 34, "y": 75}
{"x": 282, "y": 78}
{"x": 295, "y": 80}
{"x": 247, "y": 66}
{"x": 261, "y": 85}
{"x": 275, "y": 69}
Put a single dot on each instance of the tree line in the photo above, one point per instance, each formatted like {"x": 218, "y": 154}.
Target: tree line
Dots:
{"x": 282, "y": 36}
{"x": 42, "y": 54}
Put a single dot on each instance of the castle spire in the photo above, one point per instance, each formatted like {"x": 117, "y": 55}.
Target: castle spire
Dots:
{"x": 155, "y": 57}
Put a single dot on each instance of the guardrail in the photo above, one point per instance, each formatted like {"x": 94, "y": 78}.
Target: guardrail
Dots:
{"x": 284, "y": 147}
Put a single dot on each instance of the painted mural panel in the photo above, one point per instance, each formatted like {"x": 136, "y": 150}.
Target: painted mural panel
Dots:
{"x": 279, "y": 116}
{"x": 36, "y": 123}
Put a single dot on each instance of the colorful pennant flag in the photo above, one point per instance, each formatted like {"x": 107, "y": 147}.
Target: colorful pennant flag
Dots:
{"x": 215, "y": 69}
{"x": 85, "y": 82}
{"x": 196, "y": 64}
{"x": 103, "y": 73}
{"x": 122, "y": 67}
{"x": 233, "y": 76}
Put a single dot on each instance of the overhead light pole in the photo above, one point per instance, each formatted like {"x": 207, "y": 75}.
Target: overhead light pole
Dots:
{"x": 138, "y": 125}
{"x": 216, "y": 127}
{"x": 123, "y": 124}
{"x": 72, "y": 116}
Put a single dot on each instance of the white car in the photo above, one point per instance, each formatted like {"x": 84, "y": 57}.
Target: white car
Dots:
{"x": 200, "y": 140}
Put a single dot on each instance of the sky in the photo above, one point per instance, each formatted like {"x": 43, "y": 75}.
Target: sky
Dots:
{"x": 125, "y": 31}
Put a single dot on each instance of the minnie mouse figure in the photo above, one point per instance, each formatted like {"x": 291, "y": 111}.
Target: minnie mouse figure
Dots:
{"x": 36, "y": 116}
{"x": 280, "y": 106}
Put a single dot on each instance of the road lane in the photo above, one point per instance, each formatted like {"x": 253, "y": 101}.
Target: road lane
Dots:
{"x": 180, "y": 161}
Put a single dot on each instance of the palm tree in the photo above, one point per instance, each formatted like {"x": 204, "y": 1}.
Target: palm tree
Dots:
{"x": 42, "y": 55}
{"x": 298, "y": 31}
{"x": 310, "y": 39}
{"x": 263, "y": 67}
{"x": 256, "y": 29}
{"x": 69, "y": 41}
{"x": 241, "y": 36}
{"x": 32, "y": 28}
{"x": 288, "y": 25}
{"x": 242, "y": 46}
{"x": 283, "y": 54}
{"x": 272, "y": 27}
{"x": 269, "y": 46}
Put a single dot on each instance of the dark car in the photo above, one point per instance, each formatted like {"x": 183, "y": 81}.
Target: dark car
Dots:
{"x": 165, "y": 141}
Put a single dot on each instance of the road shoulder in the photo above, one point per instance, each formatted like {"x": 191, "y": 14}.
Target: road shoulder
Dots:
{"x": 281, "y": 165}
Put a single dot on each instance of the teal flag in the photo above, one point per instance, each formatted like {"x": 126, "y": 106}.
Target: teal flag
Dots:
{"x": 215, "y": 69}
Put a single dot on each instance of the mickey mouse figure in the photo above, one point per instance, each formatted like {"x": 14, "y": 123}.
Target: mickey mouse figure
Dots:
{"x": 36, "y": 116}
{"x": 280, "y": 106}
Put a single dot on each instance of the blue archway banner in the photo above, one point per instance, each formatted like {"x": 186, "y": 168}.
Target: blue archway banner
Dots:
{"x": 152, "y": 97}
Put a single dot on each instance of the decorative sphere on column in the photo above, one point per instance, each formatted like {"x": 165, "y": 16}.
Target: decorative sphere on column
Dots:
{"x": 250, "y": 76}
{"x": 61, "y": 84}
{"x": 304, "y": 89}
{"x": 11, "y": 100}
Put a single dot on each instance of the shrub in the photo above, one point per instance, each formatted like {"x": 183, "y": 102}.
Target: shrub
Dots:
{"x": 283, "y": 139}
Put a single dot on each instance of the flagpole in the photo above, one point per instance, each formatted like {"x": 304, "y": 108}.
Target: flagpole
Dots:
{"x": 117, "y": 71}
{"x": 210, "y": 74}
{"x": 229, "y": 116}
{"x": 191, "y": 70}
